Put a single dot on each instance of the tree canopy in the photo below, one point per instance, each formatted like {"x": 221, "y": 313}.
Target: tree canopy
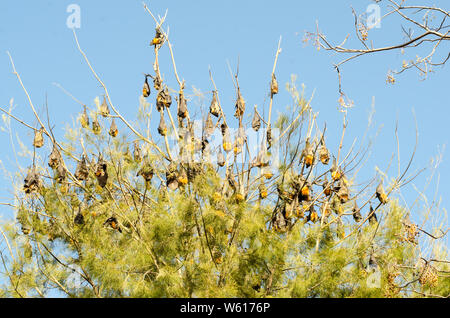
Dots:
{"x": 216, "y": 206}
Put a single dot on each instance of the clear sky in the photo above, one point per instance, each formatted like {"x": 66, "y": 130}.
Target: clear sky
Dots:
{"x": 116, "y": 35}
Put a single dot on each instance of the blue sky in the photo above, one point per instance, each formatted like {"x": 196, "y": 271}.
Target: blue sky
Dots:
{"x": 115, "y": 35}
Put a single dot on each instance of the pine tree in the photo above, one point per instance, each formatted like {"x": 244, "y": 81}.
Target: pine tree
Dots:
{"x": 96, "y": 221}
